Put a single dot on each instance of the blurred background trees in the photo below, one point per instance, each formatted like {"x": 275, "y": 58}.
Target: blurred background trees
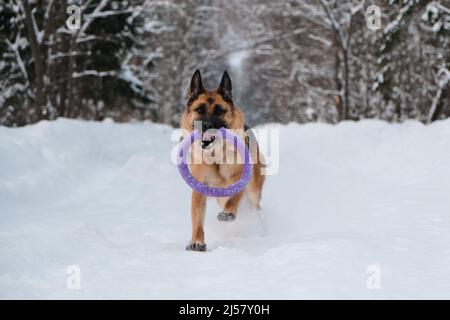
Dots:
{"x": 292, "y": 60}
{"x": 50, "y": 71}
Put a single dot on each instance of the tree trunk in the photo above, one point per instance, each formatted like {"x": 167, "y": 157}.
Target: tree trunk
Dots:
{"x": 39, "y": 67}
{"x": 337, "y": 80}
{"x": 435, "y": 109}
{"x": 346, "y": 106}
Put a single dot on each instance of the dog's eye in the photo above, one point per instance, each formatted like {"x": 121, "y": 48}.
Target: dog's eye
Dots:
{"x": 219, "y": 110}
{"x": 201, "y": 109}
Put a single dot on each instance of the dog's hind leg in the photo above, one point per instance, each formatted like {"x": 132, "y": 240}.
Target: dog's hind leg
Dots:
{"x": 198, "y": 215}
{"x": 230, "y": 207}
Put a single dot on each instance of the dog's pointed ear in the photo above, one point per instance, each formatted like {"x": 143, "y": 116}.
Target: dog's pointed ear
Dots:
{"x": 225, "y": 88}
{"x": 196, "y": 87}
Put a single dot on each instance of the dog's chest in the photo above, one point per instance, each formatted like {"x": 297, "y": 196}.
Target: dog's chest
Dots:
{"x": 228, "y": 167}
{"x": 229, "y": 171}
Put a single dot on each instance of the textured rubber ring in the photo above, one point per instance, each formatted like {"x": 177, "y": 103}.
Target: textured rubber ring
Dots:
{"x": 203, "y": 188}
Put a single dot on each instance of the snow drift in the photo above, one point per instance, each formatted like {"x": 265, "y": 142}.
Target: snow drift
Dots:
{"x": 348, "y": 199}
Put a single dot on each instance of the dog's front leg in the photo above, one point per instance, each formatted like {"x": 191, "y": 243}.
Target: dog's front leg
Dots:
{"x": 230, "y": 208}
{"x": 198, "y": 215}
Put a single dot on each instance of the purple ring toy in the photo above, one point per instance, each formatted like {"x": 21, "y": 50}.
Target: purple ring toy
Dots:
{"x": 203, "y": 188}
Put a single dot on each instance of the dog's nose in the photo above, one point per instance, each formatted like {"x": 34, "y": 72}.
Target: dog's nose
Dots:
{"x": 206, "y": 125}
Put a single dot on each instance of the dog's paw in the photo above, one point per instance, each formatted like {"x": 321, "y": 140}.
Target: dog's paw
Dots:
{"x": 226, "y": 216}
{"x": 195, "y": 246}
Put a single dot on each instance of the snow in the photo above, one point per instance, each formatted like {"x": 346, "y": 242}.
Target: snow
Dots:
{"x": 105, "y": 197}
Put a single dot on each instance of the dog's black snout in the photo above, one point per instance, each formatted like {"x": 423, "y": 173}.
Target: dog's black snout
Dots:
{"x": 206, "y": 125}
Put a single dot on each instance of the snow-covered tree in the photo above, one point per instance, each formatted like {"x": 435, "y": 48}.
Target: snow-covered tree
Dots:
{"x": 54, "y": 71}
{"x": 413, "y": 60}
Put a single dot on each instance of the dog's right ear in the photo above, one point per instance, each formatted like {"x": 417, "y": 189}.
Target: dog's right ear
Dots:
{"x": 196, "y": 87}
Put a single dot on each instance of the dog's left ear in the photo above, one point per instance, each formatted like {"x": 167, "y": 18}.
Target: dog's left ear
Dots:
{"x": 225, "y": 88}
{"x": 196, "y": 87}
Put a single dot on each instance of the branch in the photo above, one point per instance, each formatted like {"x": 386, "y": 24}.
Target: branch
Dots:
{"x": 94, "y": 73}
{"x": 108, "y": 13}
{"x": 49, "y": 8}
{"x": 46, "y": 19}
{"x": 343, "y": 41}
{"x": 392, "y": 26}
{"x": 14, "y": 48}
{"x": 88, "y": 21}
{"x": 442, "y": 83}
{"x": 335, "y": 25}
{"x": 39, "y": 34}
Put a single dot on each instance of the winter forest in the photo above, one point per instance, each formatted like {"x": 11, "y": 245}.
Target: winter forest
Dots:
{"x": 292, "y": 60}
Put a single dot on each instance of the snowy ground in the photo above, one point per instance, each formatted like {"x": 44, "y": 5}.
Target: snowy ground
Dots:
{"x": 107, "y": 198}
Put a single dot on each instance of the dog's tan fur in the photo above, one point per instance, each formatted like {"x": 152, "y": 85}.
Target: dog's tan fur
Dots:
{"x": 218, "y": 175}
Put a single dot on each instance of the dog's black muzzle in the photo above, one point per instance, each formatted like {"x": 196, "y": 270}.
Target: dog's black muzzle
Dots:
{"x": 209, "y": 128}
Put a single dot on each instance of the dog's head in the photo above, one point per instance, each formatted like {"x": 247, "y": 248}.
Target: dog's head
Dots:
{"x": 208, "y": 110}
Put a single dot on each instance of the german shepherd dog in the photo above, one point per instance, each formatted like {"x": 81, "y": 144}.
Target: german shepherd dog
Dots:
{"x": 215, "y": 109}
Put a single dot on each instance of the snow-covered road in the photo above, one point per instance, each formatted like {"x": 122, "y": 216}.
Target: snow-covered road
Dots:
{"x": 353, "y": 206}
